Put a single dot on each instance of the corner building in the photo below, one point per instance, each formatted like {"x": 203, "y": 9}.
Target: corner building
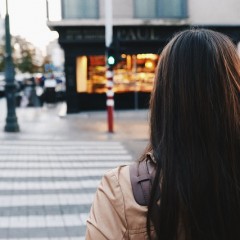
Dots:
{"x": 141, "y": 28}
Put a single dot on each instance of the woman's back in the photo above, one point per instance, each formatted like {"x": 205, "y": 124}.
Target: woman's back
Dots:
{"x": 195, "y": 138}
{"x": 195, "y": 144}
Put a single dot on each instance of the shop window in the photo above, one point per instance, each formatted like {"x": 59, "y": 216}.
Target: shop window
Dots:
{"x": 96, "y": 74}
{"x": 81, "y": 74}
{"x": 160, "y": 8}
{"x": 135, "y": 73}
{"x": 77, "y": 9}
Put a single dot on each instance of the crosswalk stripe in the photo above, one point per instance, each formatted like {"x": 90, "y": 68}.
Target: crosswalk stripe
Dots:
{"x": 51, "y": 185}
{"x": 50, "y": 199}
{"x": 74, "y": 191}
{"x": 49, "y": 179}
{"x": 63, "y": 148}
{"x": 59, "y": 177}
{"x": 51, "y": 173}
{"x": 66, "y": 158}
{"x": 59, "y": 143}
{"x": 45, "y": 233}
{"x": 63, "y": 165}
{"x": 45, "y": 210}
{"x": 64, "y": 220}
{"x": 61, "y": 152}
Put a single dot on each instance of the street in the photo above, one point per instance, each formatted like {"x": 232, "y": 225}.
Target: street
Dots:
{"x": 51, "y": 169}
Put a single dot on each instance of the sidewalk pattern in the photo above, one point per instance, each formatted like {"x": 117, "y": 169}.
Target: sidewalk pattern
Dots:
{"x": 47, "y": 187}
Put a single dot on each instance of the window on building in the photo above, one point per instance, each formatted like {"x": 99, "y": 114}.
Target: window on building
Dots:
{"x": 75, "y": 9}
{"x": 135, "y": 73}
{"x": 160, "y": 8}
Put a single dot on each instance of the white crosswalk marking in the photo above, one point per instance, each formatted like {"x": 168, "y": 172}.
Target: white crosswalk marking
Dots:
{"x": 51, "y": 172}
{"x": 66, "y": 158}
{"x": 57, "y": 164}
{"x": 47, "y": 187}
{"x": 56, "y": 185}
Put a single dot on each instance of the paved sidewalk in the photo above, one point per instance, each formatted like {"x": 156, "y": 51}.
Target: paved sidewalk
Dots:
{"x": 50, "y": 170}
{"x": 130, "y": 126}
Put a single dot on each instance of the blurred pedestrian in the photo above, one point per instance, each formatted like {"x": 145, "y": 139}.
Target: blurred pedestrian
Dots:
{"x": 194, "y": 151}
{"x": 41, "y": 81}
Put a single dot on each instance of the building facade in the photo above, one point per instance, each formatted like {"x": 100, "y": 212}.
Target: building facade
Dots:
{"x": 141, "y": 28}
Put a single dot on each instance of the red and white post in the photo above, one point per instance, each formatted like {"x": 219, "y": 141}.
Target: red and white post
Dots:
{"x": 109, "y": 69}
{"x": 110, "y": 98}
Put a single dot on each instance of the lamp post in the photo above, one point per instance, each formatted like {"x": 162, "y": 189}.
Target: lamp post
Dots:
{"x": 10, "y": 87}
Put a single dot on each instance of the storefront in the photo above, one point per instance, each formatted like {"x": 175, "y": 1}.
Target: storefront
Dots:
{"x": 140, "y": 48}
{"x": 133, "y": 73}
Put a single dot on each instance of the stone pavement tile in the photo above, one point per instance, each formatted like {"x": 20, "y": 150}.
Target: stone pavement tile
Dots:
{"x": 76, "y": 231}
{"x": 42, "y": 233}
{"x": 83, "y": 217}
{"x": 59, "y": 238}
{"x": 36, "y": 221}
{"x": 46, "y": 238}
{"x": 19, "y": 221}
{"x": 4, "y": 223}
{"x": 77, "y": 238}
{"x": 57, "y": 232}
{"x": 21, "y": 239}
{"x": 4, "y": 233}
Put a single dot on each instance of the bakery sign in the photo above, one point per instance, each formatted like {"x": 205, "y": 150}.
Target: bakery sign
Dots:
{"x": 138, "y": 34}
{"x": 85, "y": 34}
{"x": 120, "y": 33}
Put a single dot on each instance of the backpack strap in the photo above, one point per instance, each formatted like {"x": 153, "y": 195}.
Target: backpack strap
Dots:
{"x": 142, "y": 175}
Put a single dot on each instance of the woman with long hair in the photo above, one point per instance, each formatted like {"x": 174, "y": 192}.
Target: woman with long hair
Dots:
{"x": 195, "y": 149}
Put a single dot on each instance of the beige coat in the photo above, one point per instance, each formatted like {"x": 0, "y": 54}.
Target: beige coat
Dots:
{"x": 114, "y": 214}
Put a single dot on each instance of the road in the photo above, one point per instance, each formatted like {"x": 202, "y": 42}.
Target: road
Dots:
{"x": 51, "y": 168}
{"x": 47, "y": 187}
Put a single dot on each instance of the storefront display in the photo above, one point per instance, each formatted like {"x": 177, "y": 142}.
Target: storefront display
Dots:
{"x": 135, "y": 73}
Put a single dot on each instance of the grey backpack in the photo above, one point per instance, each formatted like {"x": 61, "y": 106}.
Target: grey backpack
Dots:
{"x": 142, "y": 174}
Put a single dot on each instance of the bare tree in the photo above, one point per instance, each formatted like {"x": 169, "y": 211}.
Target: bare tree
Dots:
{"x": 25, "y": 56}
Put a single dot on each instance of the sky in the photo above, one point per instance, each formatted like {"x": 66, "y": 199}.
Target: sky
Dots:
{"x": 28, "y": 19}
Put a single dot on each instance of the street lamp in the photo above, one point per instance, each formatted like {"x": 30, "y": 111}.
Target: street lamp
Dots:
{"x": 10, "y": 87}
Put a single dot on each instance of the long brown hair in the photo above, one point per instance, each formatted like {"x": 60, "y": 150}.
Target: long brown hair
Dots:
{"x": 195, "y": 138}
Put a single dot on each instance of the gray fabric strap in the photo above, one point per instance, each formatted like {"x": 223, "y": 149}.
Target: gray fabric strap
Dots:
{"x": 141, "y": 176}
{"x": 144, "y": 180}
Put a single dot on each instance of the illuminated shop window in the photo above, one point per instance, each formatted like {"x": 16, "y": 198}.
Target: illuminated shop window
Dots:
{"x": 96, "y": 74}
{"x": 133, "y": 73}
